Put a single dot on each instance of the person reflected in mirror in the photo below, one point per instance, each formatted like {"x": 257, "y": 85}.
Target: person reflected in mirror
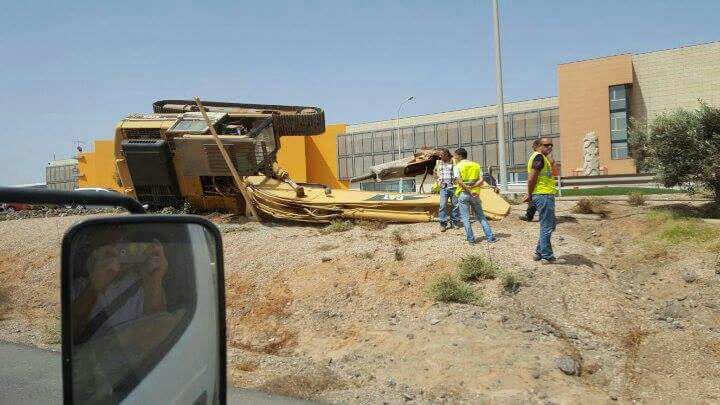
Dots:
{"x": 120, "y": 287}
{"x": 448, "y": 214}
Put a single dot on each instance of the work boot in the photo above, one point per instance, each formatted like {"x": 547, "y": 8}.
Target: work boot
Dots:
{"x": 525, "y": 218}
{"x": 445, "y": 227}
{"x": 549, "y": 260}
{"x": 537, "y": 258}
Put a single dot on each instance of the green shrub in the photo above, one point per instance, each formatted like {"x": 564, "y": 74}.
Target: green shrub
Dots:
{"x": 337, "y": 226}
{"x": 636, "y": 199}
{"x": 473, "y": 267}
{"x": 511, "y": 282}
{"x": 688, "y": 230}
{"x": 449, "y": 288}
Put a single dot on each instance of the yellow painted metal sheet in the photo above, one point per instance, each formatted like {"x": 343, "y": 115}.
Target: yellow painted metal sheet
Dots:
{"x": 279, "y": 199}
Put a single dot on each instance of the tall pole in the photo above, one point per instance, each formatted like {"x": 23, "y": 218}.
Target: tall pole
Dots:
{"x": 399, "y": 139}
{"x": 500, "y": 103}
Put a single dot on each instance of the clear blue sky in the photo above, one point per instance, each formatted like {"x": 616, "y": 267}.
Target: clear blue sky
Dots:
{"x": 71, "y": 70}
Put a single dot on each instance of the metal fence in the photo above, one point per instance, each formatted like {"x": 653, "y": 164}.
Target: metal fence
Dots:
{"x": 358, "y": 151}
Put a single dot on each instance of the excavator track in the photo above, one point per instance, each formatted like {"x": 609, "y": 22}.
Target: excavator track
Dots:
{"x": 288, "y": 120}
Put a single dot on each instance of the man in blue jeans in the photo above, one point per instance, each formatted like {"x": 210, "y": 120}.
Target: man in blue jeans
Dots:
{"x": 468, "y": 179}
{"x": 448, "y": 211}
{"x": 541, "y": 192}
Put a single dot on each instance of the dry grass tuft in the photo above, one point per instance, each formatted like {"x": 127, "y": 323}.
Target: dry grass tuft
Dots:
{"x": 308, "y": 384}
{"x": 52, "y": 332}
{"x": 399, "y": 238}
{"x": 591, "y": 205}
{"x": 631, "y": 342}
{"x": 337, "y": 226}
{"x": 474, "y": 267}
{"x": 372, "y": 225}
{"x": 636, "y": 199}
{"x": 511, "y": 282}
{"x": 231, "y": 228}
{"x": 399, "y": 255}
{"x": 449, "y": 288}
{"x": 368, "y": 254}
{"x": 327, "y": 247}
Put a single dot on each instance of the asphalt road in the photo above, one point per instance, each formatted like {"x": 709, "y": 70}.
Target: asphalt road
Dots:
{"x": 30, "y": 375}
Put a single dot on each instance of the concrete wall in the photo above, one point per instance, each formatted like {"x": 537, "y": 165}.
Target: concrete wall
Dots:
{"x": 97, "y": 168}
{"x": 547, "y": 102}
{"x": 584, "y": 91}
{"x": 665, "y": 80}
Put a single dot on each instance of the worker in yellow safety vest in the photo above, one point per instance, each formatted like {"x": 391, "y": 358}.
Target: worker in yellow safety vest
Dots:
{"x": 541, "y": 190}
{"x": 468, "y": 180}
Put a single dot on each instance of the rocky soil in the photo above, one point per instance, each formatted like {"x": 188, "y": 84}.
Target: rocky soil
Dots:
{"x": 346, "y": 317}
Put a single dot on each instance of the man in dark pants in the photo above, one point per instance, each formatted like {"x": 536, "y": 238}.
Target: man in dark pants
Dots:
{"x": 541, "y": 190}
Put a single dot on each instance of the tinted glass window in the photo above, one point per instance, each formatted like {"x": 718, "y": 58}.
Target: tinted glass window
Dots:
{"x": 453, "y": 134}
{"x": 465, "y": 132}
{"x": 407, "y": 138}
{"x": 490, "y": 129}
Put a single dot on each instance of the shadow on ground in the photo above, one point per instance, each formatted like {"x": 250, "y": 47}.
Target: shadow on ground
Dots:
{"x": 575, "y": 259}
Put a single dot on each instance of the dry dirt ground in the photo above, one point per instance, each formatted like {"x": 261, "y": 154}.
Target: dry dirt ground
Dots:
{"x": 336, "y": 317}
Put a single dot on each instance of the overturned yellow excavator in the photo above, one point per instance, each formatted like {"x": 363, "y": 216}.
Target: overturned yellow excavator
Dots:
{"x": 180, "y": 153}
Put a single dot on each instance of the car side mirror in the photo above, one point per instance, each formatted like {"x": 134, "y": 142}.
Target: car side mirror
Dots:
{"x": 143, "y": 311}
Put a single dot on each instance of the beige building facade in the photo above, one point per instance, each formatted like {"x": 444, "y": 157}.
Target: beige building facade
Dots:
{"x": 675, "y": 78}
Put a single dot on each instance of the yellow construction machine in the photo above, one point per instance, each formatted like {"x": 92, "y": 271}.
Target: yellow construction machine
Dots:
{"x": 220, "y": 156}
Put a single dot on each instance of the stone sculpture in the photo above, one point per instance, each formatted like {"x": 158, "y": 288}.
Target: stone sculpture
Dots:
{"x": 591, "y": 155}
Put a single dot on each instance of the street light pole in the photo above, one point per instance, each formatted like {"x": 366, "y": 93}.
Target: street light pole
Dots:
{"x": 399, "y": 139}
{"x": 500, "y": 103}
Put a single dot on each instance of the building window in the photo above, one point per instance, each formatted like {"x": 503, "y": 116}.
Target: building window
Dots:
{"x": 618, "y": 126}
{"x": 618, "y": 98}
{"x": 619, "y": 122}
{"x": 619, "y": 150}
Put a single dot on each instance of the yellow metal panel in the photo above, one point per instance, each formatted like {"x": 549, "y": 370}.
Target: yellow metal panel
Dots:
{"x": 97, "y": 169}
{"x": 293, "y": 158}
{"x": 322, "y": 157}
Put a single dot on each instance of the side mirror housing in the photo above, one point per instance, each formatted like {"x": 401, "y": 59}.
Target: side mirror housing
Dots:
{"x": 143, "y": 311}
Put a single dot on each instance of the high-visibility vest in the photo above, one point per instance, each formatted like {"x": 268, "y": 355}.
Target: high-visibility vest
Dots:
{"x": 546, "y": 183}
{"x": 470, "y": 172}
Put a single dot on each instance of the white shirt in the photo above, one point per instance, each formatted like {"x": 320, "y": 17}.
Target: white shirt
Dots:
{"x": 132, "y": 308}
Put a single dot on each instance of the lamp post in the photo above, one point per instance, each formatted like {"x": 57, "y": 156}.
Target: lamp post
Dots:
{"x": 399, "y": 139}
{"x": 500, "y": 103}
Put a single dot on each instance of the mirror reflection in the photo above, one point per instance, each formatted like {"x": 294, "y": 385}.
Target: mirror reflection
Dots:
{"x": 133, "y": 295}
